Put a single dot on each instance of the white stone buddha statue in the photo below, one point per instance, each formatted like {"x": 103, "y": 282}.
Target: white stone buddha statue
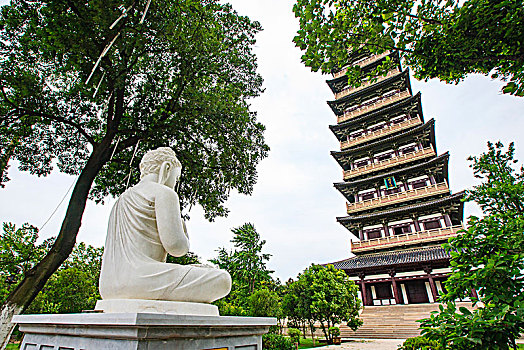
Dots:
{"x": 145, "y": 224}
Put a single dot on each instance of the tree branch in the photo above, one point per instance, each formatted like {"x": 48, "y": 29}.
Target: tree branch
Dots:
{"x": 426, "y": 20}
{"x": 61, "y": 120}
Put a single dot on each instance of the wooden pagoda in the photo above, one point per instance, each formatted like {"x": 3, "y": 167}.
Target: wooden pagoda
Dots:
{"x": 399, "y": 205}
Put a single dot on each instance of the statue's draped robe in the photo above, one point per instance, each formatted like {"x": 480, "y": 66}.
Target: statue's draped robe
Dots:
{"x": 134, "y": 267}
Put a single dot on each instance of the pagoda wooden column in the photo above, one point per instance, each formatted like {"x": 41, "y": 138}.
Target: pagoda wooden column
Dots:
{"x": 432, "y": 178}
{"x": 396, "y": 293}
{"x": 416, "y": 223}
{"x": 363, "y": 286}
{"x": 447, "y": 219}
{"x": 386, "y": 229}
{"x": 371, "y": 156}
{"x": 379, "y": 193}
{"x": 395, "y": 149}
{"x": 432, "y": 285}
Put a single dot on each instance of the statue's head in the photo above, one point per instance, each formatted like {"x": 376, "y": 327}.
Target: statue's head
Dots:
{"x": 162, "y": 162}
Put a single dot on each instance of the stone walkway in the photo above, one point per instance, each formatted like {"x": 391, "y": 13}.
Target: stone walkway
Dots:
{"x": 368, "y": 344}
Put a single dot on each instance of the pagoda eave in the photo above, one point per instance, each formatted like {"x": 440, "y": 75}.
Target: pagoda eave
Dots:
{"x": 423, "y": 132}
{"x": 439, "y": 163}
{"x": 400, "y": 260}
{"x": 338, "y": 84}
{"x": 407, "y": 105}
{"x": 400, "y": 81}
{"x": 452, "y": 202}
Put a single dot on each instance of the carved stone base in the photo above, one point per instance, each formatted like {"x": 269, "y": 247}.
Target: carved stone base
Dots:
{"x": 141, "y": 331}
{"x": 156, "y": 306}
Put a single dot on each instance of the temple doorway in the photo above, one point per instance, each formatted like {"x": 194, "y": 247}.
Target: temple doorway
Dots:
{"x": 416, "y": 291}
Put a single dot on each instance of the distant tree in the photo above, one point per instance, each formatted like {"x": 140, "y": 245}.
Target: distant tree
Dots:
{"x": 73, "y": 288}
{"x": 327, "y": 295}
{"x": 293, "y": 307}
{"x": 488, "y": 257}
{"x": 90, "y": 86}
{"x": 246, "y": 264}
{"x": 69, "y": 290}
{"x": 264, "y": 303}
{"x": 188, "y": 259}
{"x": 19, "y": 253}
{"x": 85, "y": 258}
{"x": 437, "y": 39}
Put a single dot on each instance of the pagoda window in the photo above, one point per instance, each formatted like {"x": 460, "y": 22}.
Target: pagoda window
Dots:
{"x": 392, "y": 191}
{"x": 400, "y": 230}
{"x": 356, "y": 134}
{"x": 409, "y": 149}
{"x": 398, "y": 120}
{"x": 369, "y": 195}
{"x": 361, "y": 163}
{"x": 374, "y": 234}
{"x": 419, "y": 183}
{"x": 384, "y": 156}
{"x": 432, "y": 224}
{"x": 376, "y": 127}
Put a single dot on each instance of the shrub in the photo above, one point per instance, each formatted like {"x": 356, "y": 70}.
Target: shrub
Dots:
{"x": 420, "y": 343}
{"x": 294, "y": 334}
{"x": 276, "y": 342}
{"x": 334, "y": 331}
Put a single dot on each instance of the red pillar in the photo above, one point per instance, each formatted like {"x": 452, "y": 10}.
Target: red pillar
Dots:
{"x": 432, "y": 285}
{"x": 396, "y": 294}
{"x": 363, "y": 288}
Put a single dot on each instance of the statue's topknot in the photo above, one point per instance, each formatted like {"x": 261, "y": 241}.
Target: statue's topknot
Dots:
{"x": 153, "y": 159}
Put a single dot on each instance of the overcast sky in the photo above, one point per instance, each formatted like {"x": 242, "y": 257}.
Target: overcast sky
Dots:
{"x": 294, "y": 204}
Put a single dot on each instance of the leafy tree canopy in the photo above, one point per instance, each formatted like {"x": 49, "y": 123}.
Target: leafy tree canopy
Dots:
{"x": 74, "y": 80}
{"x": 488, "y": 258}
{"x": 247, "y": 265}
{"x": 72, "y": 289}
{"x": 326, "y": 295}
{"x": 444, "y": 39}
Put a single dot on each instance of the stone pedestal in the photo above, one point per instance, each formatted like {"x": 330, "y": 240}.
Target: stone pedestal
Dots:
{"x": 141, "y": 331}
{"x": 156, "y": 306}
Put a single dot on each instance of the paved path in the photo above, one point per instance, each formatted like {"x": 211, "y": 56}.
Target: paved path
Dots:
{"x": 368, "y": 344}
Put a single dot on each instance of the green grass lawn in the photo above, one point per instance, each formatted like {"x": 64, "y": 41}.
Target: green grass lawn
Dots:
{"x": 308, "y": 343}
{"x": 13, "y": 347}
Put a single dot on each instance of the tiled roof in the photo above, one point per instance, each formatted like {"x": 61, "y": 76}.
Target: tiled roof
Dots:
{"x": 419, "y": 255}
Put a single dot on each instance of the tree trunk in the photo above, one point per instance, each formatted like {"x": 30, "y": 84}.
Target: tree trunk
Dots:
{"x": 34, "y": 280}
{"x": 312, "y": 328}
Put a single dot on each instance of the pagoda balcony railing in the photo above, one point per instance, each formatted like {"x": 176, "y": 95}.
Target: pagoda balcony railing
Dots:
{"x": 404, "y": 158}
{"x": 398, "y": 197}
{"x": 351, "y": 89}
{"x": 397, "y": 96}
{"x": 382, "y": 132}
{"x": 361, "y": 63}
{"x": 438, "y": 234}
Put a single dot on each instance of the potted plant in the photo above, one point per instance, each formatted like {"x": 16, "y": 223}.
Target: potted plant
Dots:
{"x": 334, "y": 333}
